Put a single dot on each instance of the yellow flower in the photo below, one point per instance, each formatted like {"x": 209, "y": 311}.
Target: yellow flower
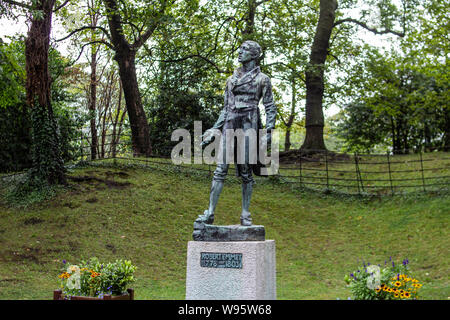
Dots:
{"x": 64, "y": 275}
{"x": 378, "y": 289}
{"x": 397, "y": 283}
{"x": 407, "y": 295}
{"x": 396, "y": 295}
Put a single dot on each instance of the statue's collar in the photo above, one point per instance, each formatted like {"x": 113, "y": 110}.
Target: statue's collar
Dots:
{"x": 240, "y": 78}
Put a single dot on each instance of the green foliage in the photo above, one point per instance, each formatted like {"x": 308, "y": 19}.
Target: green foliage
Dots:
{"x": 16, "y": 118}
{"x": 395, "y": 104}
{"x": 24, "y": 192}
{"x": 95, "y": 279}
{"x": 46, "y": 155}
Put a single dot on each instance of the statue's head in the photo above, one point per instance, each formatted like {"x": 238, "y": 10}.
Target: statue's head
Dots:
{"x": 249, "y": 50}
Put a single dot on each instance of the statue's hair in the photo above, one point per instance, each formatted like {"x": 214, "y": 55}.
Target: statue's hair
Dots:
{"x": 255, "y": 48}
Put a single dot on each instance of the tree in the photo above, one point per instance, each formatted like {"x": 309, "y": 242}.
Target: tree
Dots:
{"x": 320, "y": 50}
{"x": 394, "y": 104}
{"x": 15, "y": 115}
{"x": 46, "y": 154}
{"x": 125, "y": 55}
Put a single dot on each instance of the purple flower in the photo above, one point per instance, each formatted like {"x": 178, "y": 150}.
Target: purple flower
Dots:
{"x": 64, "y": 261}
{"x": 352, "y": 275}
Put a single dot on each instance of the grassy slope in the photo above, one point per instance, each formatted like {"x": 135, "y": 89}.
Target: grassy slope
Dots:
{"x": 147, "y": 216}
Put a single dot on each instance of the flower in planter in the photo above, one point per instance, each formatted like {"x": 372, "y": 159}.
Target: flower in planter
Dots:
{"x": 73, "y": 281}
{"x": 95, "y": 279}
{"x": 393, "y": 282}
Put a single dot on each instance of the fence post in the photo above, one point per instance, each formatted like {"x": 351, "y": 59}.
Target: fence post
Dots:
{"x": 81, "y": 145}
{"x": 326, "y": 166}
{"x": 421, "y": 169}
{"x": 301, "y": 182}
{"x": 356, "y": 171}
{"x": 390, "y": 174}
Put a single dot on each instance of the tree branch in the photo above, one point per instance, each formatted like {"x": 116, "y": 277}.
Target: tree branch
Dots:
{"x": 282, "y": 119}
{"x": 84, "y": 28}
{"x": 151, "y": 28}
{"x": 197, "y": 56}
{"x": 87, "y": 44}
{"x": 298, "y": 74}
{"x": 332, "y": 55}
{"x": 61, "y": 6}
{"x": 373, "y": 30}
{"x": 19, "y": 4}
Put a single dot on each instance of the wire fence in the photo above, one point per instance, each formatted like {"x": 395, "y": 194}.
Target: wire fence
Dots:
{"x": 325, "y": 171}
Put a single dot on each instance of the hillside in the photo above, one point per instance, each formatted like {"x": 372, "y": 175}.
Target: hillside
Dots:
{"x": 146, "y": 215}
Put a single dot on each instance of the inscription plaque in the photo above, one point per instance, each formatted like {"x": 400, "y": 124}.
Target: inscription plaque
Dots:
{"x": 221, "y": 260}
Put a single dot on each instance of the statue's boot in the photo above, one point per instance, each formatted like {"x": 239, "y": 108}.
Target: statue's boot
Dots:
{"x": 208, "y": 215}
{"x": 247, "y": 189}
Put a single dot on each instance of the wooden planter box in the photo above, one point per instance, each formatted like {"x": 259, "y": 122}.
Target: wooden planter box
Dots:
{"x": 129, "y": 295}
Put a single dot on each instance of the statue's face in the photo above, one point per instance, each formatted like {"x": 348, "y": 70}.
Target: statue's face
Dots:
{"x": 245, "y": 54}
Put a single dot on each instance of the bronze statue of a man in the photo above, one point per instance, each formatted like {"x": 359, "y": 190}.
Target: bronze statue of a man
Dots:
{"x": 244, "y": 90}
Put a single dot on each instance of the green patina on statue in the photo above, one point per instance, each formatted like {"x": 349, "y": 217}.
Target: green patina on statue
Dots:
{"x": 244, "y": 90}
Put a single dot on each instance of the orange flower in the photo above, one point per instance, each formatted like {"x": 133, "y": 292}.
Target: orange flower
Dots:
{"x": 94, "y": 274}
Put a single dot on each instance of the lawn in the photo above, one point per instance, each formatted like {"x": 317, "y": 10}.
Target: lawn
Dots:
{"x": 147, "y": 214}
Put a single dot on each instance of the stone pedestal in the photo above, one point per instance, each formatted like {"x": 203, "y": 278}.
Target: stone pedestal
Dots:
{"x": 212, "y": 232}
{"x": 231, "y": 270}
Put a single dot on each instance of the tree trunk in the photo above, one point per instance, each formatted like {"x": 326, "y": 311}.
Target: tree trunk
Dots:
{"x": 287, "y": 141}
{"x": 315, "y": 77}
{"x": 115, "y": 136}
{"x": 446, "y": 142}
{"x": 92, "y": 103}
{"x": 250, "y": 20}
{"x": 138, "y": 120}
{"x": 125, "y": 55}
{"x": 47, "y": 161}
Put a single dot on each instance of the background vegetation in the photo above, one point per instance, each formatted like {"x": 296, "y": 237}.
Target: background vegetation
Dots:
{"x": 98, "y": 79}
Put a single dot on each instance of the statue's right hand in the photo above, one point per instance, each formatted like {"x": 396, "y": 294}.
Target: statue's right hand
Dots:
{"x": 207, "y": 137}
